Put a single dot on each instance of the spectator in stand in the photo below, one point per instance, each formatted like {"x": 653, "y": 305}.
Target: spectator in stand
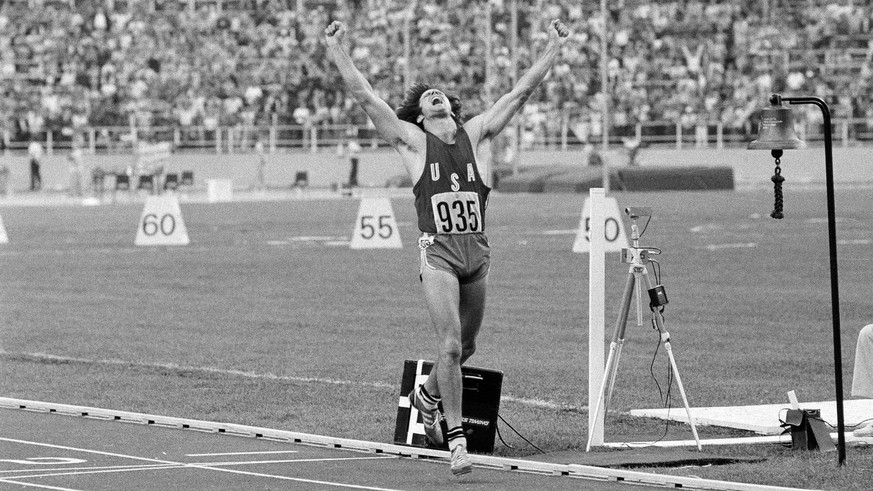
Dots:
{"x": 139, "y": 61}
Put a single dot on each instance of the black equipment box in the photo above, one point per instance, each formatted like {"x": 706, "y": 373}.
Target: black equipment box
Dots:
{"x": 481, "y": 402}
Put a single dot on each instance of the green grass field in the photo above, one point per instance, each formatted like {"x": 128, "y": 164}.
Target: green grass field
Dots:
{"x": 262, "y": 321}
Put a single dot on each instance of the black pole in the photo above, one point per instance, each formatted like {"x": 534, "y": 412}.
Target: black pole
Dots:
{"x": 832, "y": 245}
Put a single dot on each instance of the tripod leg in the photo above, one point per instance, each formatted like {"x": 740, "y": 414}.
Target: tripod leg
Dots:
{"x": 665, "y": 339}
{"x": 682, "y": 392}
{"x": 621, "y": 323}
{"x": 612, "y": 358}
{"x": 608, "y": 369}
{"x": 621, "y": 326}
{"x": 611, "y": 385}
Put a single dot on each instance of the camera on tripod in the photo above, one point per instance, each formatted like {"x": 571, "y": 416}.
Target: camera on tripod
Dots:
{"x": 638, "y": 211}
{"x": 634, "y": 255}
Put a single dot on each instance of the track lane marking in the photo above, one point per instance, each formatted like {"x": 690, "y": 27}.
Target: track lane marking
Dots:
{"x": 292, "y": 461}
{"x": 98, "y": 467}
{"x": 295, "y": 479}
{"x": 180, "y": 465}
{"x": 221, "y": 454}
{"x": 86, "y": 450}
{"x": 102, "y": 471}
{"x": 41, "y": 486}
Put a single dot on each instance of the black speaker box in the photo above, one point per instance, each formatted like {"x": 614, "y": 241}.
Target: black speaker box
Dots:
{"x": 481, "y": 403}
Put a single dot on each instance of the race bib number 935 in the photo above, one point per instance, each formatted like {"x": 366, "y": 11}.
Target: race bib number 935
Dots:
{"x": 457, "y": 213}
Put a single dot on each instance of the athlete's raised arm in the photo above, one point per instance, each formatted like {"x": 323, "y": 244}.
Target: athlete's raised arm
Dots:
{"x": 389, "y": 126}
{"x": 492, "y": 121}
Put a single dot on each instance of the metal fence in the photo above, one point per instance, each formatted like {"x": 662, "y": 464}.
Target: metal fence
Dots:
{"x": 315, "y": 138}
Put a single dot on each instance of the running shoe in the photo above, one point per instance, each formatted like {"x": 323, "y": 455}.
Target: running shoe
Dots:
{"x": 431, "y": 419}
{"x": 460, "y": 462}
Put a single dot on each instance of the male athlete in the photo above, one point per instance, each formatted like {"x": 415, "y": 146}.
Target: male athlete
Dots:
{"x": 441, "y": 155}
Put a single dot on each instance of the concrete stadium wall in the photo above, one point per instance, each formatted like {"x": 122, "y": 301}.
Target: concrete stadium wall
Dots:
{"x": 851, "y": 165}
{"x": 324, "y": 168}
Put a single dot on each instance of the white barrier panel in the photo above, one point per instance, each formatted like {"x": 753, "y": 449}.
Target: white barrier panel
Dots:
{"x": 218, "y": 190}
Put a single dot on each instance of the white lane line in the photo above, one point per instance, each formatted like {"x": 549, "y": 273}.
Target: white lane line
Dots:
{"x": 102, "y": 471}
{"x": 239, "y": 453}
{"x": 291, "y": 461}
{"x": 295, "y": 479}
{"x": 173, "y": 465}
{"x": 92, "y": 468}
{"x": 40, "y": 486}
{"x": 86, "y": 450}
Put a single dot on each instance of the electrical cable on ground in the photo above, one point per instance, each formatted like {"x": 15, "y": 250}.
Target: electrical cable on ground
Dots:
{"x": 517, "y": 433}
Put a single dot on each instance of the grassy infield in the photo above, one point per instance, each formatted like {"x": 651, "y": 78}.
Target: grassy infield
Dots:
{"x": 138, "y": 325}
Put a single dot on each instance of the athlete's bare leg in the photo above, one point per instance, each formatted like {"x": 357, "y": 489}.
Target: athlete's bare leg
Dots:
{"x": 456, "y": 312}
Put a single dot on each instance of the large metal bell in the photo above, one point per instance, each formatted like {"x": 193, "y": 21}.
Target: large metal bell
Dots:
{"x": 776, "y": 130}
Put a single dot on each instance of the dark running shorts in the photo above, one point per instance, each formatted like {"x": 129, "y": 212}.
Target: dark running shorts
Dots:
{"x": 467, "y": 256}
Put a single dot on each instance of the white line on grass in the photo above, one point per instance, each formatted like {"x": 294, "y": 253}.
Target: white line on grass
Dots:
{"x": 325, "y": 238}
{"x": 743, "y": 245}
{"x": 210, "y": 370}
{"x": 533, "y": 402}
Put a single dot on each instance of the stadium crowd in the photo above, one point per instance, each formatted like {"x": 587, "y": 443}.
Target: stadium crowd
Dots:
{"x": 195, "y": 64}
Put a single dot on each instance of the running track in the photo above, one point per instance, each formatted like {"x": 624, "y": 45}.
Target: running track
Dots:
{"x": 46, "y": 446}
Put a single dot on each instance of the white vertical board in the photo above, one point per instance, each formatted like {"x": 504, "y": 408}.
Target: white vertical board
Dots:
{"x": 596, "y": 309}
{"x": 161, "y": 222}
{"x": 613, "y": 228}
{"x": 375, "y": 227}
{"x": 4, "y": 238}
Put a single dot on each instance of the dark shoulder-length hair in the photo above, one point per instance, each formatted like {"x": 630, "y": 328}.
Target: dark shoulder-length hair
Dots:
{"x": 410, "y": 109}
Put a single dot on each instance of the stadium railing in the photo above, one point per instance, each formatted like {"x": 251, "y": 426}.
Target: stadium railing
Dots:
{"x": 316, "y": 138}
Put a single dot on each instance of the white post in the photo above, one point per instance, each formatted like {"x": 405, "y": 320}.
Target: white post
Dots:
{"x": 604, "y": 90}
{"x": 596, "y": 309}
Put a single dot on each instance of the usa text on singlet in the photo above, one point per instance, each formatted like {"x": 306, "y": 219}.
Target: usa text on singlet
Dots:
{"x": 450, "y": 197}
